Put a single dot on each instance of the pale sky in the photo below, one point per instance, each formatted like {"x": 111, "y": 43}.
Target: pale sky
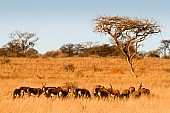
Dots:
{"x": 57, "y": 22}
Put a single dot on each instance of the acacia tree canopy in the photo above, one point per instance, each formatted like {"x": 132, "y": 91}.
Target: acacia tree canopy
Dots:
{"x": 126, "y": 32}
{"x": 165, "y": 46}
{"x": 21, "y": 42}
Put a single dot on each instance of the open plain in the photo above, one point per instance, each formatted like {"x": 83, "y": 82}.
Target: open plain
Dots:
{"x": 85, "y": 73}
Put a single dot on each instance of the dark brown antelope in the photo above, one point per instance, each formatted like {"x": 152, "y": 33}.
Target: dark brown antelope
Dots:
{"x": 35, "y": 91}
{"x": 125, "y": 94}
{"x": 100, "y": 92}
{"x": 63, "y": 93}
{"x": 103, "y": 94}
{"x": 115, "y": 93}
{"x": 81, "y": 93}
{"x": 131, "y": 89}
{"x": 52, "y": 92}
{"x": 96, "y": 90}
{"x": 146, "y": 91}
{"x": 143, "y": 91}
{"x": 24, "y": 90}
{"x": 137, "y": 94}
{"x": 17, "y": 93}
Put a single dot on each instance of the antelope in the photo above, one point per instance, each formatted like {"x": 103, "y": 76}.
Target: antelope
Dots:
{"x": 131, "y": 89}
{"x": 24, "y": 90}
{"x": 146, "y": 91}
{"x": 85, "y": 93}
{"x": 125, "y": 94}
{"x": 51, "y": 92}
{"x": 137, "y": 94}
{"x": 96, "y": 89}
{"x": 35, "y": 91}
{"x": 17, "y": 93}
{"x": 143, "y": 90}
{"x": 78, "y": 92}
{"x": 103, "y": 94}
{"x": 63, "y": 93}
{"x": 100, "y": 91}
{"x": 116, "y": 93}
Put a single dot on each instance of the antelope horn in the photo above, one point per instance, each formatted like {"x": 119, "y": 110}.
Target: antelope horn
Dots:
{"x": 140, "y": 84}
{"x": 110, "y": 86}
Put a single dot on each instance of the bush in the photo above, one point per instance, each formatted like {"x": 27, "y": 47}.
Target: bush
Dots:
{"x": 96, "y": 69}
{"x": 166, "y": 57}
{"x": 70, "y": 68}
{"x": 5, "y": 61}
{"x": 52, "y": 54}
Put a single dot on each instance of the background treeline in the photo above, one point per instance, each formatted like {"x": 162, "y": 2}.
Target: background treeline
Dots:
{"x": 22, "y": 45}
{"x": 84, "y": 50}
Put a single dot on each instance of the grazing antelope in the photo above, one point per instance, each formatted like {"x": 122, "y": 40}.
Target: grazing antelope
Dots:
{"x": 143, "y": 91}
{"x": 125, "y": 94}
{"x": 101, "y": 92}
{"x": 96, "y": 89}
{"x": 17, "y": 93}
{"x": 51, "y": 92}
{"x": 24, "y": 90}
{"x": 85, "y": 93}
{"x": 81, "y": 93}
{"x": 64, "y": 92}
{"x": 115, "y": 93}
{"x": 35, "y": 91}
{"x": 137, "y": 94}
{"x": 146, "y": 91}
{"x": 131, "y": 89}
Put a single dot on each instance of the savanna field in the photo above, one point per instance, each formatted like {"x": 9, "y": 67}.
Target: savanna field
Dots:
{"x": 85, "y": 73}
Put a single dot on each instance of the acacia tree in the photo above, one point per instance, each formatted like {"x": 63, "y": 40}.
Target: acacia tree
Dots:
{"x": 165, "y": 46}
{"x": 127, "y": 33}
{"x": 21, "y": 42}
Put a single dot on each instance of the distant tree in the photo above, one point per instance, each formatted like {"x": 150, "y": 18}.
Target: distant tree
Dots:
{"x": 153, "y": 54}
{"x": 88, "y": 46}
{"x": 160, "y": 51}
{"x": 165, "y": 47}
{"x": 126, "y": 32}
{"x": 101, "y": 50}
{"x": 67, "y": 48}
{"x": 78, "y": 49}
{"x": 20, "y": 43}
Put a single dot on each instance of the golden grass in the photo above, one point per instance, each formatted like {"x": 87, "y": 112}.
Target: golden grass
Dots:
{"x": 153, "y": 73}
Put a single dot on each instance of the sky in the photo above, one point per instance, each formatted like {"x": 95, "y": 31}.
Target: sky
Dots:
{"x": 58, "y": 22}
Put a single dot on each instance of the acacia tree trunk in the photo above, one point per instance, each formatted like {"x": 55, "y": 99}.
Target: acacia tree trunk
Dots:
{"x": 129, "y": 61}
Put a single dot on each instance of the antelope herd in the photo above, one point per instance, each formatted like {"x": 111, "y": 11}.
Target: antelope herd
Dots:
{"x": 99, "y": 92}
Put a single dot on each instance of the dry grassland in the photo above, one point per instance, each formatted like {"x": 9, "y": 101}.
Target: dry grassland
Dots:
{"x": 153, "y": 73}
